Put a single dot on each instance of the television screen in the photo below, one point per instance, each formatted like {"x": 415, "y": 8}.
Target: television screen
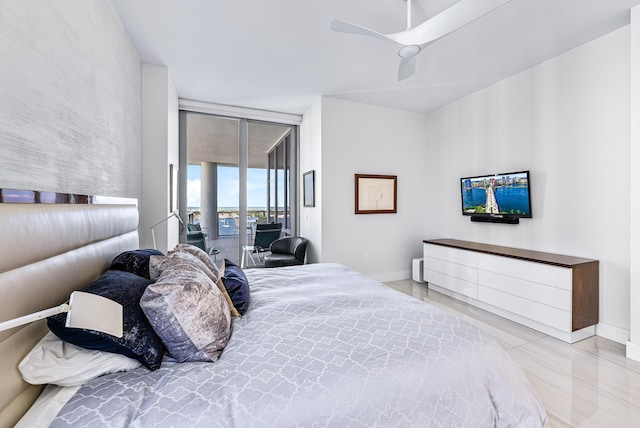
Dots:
{"x": 497, "y": 195}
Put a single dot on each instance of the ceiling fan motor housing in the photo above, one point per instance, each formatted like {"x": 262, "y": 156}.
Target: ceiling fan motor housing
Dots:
{"x": 409, "y": 51}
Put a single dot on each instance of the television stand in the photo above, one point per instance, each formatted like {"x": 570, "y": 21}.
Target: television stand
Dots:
{"x": 552, "y": 293}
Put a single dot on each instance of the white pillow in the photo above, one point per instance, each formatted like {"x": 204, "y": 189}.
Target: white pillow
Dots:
{"x": 60, "y": 363}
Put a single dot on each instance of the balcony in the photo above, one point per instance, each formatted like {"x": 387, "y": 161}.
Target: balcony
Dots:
{"x": 227, "y": 237}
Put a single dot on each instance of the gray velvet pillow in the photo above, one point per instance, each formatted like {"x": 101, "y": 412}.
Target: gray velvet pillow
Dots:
{"x": 200, "y": 254}
{"x": 157, "y": 264}
{"x": 188, "y": 312}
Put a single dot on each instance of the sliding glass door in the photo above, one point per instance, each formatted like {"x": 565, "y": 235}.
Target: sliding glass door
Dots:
{"x": 279, "y": 183}
{"x": 239, "y": 175}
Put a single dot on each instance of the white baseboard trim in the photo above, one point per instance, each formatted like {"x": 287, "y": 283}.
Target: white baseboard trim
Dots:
{"x": 391, "y": 276}
{"x": 611, "y": 332}
{"x": 633, "y": 351}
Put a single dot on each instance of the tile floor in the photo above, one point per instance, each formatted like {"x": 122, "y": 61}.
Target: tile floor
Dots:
{"x": 228, "y": 247}
{"x": 587, "y": 384}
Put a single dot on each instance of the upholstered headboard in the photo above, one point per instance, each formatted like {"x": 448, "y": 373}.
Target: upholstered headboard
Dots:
{"x": 49, "y": 250}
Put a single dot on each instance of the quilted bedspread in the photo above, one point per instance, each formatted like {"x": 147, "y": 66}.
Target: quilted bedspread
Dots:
{"x": 322, "y": 346}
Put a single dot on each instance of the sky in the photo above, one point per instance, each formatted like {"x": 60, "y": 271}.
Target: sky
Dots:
{"x": 228, "y": 188}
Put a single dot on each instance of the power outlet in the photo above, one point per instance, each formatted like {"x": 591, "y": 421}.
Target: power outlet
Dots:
{"x": 365, "y": 257}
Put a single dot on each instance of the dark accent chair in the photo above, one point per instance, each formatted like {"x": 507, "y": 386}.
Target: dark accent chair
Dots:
{"x": 266, "y": 233}
{"x": 199, "y": 240}
{"x": 289, "y": 251}
{"x": 195, "y": 227}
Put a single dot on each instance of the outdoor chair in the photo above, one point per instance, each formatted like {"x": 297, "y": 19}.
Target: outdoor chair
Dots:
{"x": 198, "y": 239}
{"x": 265, "y": 235}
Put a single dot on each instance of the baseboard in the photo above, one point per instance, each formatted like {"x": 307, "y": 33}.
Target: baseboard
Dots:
{"x": 633, "y": 351}
{"x": 611, "y": 332}
{"x": 391, "y": 276}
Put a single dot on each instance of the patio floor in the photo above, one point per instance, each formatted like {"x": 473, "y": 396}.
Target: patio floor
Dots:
{"x": 229, "y": 249}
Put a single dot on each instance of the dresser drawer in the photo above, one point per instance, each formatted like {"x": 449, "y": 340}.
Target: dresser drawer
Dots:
{"x": 456, "y": 270}
{"x": 554, "y": 276}
{"x": 544, "y": 314}
{"x": 469, "y": 289}
{"x": 462, "y": 257}
{"x": 540, "y": 293}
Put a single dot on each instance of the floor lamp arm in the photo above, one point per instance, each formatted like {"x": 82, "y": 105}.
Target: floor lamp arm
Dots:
{"x": 34, "y": 317}
{"x": 153, "y": 233}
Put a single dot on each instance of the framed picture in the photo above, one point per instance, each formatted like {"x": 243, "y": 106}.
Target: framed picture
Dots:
{"x": 173, "y": 188}
{"x": 376, "y": 194}
{"x": 309, "y": 189}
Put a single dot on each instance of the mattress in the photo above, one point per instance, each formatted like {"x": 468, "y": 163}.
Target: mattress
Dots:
{"x": 324, "y": 346}
{"x": 47, "y": 406}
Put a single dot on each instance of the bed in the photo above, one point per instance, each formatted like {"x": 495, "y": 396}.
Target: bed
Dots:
{"x": 318, "y": 345}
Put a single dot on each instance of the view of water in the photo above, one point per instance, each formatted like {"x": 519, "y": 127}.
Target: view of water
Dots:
{"x": 227, "y": 218}
{"x": 226, "y": 226}
{"x": 510, "y": 199}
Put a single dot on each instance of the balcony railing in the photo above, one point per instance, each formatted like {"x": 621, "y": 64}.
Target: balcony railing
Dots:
{"x": 229, "y": 220}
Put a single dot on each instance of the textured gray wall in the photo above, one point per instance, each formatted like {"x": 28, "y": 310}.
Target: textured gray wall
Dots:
{"x": 70, "y": 99}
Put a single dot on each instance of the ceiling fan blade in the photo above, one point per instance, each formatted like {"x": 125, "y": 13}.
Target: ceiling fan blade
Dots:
{"x": 345, "y": 27}
{"x": 407, "y": 67}
{"x": 449, "y": 20}
{"x": 409, "y": 43}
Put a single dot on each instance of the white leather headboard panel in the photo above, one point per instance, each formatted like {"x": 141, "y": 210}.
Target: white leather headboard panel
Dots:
{"x": 45, "y": 230}
{"x": 49, "y": 250}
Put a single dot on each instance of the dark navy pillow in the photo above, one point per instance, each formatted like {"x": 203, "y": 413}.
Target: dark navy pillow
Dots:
{"x": 135, "y": 261}
{"x": 237, "y": 285}
{"x": 139, "y": 340}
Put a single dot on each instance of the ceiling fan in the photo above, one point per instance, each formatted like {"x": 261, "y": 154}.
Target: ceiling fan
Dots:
{"x": 410, "y": 42}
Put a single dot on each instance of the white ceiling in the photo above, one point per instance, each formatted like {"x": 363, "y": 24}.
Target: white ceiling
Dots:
{"x": 216, "y": 139}
{"x": 280, "y": 55}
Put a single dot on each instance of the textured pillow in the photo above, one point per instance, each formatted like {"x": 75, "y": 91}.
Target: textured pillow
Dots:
{"x": 188, "y": 312}
{"x": 237, "y": 285}
{"x": 135, "y": 261}
{"x": 225, "y": 293}
{"x": 61, "y": 363}
{"x": 200, "y": 254}
{"x": 139, "y": 340}
{"x": 158, "y": 264}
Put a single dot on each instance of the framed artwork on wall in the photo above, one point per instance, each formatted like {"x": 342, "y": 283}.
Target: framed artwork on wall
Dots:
{"x": 309, "y": 189}
{"x": 376, "y": 194}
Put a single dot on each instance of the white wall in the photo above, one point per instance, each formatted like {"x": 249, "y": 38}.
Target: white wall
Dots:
{"x": 311, "y": 159}
{"x": 633, "y": 346}
{"x": 160, "y": 149}
{"x": 71, "y": 114}
{"x": 70, "y": 110}
{"x": 567, "y": 121}
{"x": 360, "y": 138}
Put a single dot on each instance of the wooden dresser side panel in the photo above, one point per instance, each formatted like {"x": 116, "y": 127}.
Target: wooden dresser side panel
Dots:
{"x": 586, "y": 295}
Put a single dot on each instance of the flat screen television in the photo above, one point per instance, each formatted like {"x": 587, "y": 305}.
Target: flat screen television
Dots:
{"x": 499, "y": 195}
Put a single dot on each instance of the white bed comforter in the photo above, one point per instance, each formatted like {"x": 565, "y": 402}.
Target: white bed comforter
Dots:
{"x": 321, "y": 346}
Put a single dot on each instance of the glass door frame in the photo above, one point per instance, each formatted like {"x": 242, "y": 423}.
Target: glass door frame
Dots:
{"x": 288, "y": 160}
{"x": 243, "y": 151}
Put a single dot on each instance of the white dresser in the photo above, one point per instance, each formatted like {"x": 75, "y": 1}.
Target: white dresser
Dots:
{"x": 552, "y": 293}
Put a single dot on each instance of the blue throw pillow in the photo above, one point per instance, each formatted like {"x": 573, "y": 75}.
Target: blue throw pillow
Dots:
{"x": 139, "y": 340}
{"x": 135, "y": 261}
{"x": 237, "y": 285}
